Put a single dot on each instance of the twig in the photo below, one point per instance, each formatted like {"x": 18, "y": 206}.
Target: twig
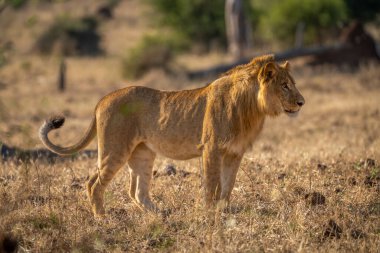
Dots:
{"x": 38, "y": 174}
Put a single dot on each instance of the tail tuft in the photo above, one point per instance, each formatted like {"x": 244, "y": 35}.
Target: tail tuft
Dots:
{"x": 55, "y": 122}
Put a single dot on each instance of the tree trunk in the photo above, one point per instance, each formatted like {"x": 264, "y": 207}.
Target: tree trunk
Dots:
{"x": 236, "y": 28}
{"x": 62, "y": 76}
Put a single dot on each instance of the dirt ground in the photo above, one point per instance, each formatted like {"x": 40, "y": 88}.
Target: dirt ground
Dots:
{"x": 310, "y": 184}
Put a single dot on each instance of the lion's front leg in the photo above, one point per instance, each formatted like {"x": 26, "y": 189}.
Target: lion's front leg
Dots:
{"x": 211, "y": 174}
{"x": 229, "y": 169}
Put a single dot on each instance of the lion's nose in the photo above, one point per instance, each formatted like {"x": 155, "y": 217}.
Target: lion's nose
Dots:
{"x": 301, "y": 103}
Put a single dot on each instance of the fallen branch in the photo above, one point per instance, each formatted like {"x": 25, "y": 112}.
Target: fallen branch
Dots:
{"x": 286, "y": 55}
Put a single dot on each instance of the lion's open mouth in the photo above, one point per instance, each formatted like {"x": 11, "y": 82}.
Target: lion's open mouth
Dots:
{"x": 291, "y": 113}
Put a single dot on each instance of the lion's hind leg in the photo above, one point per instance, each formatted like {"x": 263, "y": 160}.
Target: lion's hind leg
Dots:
{"x": 141, "y": 166}
{"x": 108, "y": 168}
{"x": 112, "y": 155}
{"x": 90, "y": 183}
{"x": 132, "y": 185}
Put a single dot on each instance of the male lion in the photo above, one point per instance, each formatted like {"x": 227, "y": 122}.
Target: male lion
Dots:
{"x": 218, "y": 122}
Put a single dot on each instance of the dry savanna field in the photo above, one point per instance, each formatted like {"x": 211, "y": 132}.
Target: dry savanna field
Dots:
{"x": 309, "y": 184}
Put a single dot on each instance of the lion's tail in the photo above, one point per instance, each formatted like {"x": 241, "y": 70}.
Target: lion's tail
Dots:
{"x": 56, "y": 122}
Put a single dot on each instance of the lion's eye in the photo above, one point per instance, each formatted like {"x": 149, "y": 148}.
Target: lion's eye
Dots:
{"x": 285, "y": 86}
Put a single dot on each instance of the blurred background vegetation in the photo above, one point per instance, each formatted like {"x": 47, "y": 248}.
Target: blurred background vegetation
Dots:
{"x": 197, "y": 26}
{"x": 202, "y": 21}
{"x": 271, "y": 20}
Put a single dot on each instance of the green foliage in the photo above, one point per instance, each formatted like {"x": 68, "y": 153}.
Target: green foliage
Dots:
{"x": 45, "y": 223}
{"x": 282, "y": 18}
{"x": 154, "y": 51}
{"x": 277, "y": 20}
{"x": 196, "y": 20}
{"x": 16, "y": 3}
{"x": 31, "y": 21}
{"x": 3, "y": 58}
{"x": 112, "y": 3}
{"x": 158, "y": 237}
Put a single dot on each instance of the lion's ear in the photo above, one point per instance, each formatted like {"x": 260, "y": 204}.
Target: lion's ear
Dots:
{"x": 286, "y": 66}
{"x": 270, "y": 70}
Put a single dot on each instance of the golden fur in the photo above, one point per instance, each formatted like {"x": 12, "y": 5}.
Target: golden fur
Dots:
{"x": 218, "y": 122}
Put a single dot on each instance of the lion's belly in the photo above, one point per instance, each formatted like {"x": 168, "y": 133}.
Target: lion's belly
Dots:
{"x": 176, "y": 151}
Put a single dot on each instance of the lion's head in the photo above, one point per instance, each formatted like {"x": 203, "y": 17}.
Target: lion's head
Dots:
{"x": 278, "y": 92}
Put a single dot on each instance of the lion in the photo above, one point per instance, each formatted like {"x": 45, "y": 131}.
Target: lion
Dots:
{"x": 218, "y": 122}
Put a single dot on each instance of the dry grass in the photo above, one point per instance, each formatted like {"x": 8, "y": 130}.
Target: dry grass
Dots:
{"x": 275, "y": 205}
{"x": 46, "y": 208}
